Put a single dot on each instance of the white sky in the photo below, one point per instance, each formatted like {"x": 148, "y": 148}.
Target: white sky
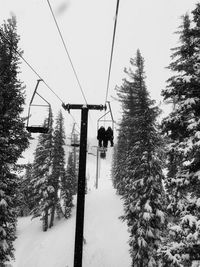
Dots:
{"x": 87, "y": 27}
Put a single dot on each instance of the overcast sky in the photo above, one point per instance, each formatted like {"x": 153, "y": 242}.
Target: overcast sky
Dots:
{"x": 87, "y": 28}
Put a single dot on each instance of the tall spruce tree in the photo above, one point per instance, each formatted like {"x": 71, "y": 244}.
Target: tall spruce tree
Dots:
{"x": 182, "y": 127}
{"x": 68, "y": 186}
{"x": 119, "y": 160}
{"x": 127, "y": 97}
{"x": 13, "y": 137}
{"x": 58, "y": 165}
{"x": 41, "y": 183}
{"x": 25, "y": 199}
{"x": 144, "y": 194}
{"x": 75, "y": 141}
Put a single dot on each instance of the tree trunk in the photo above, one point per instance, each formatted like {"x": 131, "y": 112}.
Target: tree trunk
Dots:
{"x": 45, "y": 220}
{"x": 59, "y": 211}
{"x": 52, "y": 216}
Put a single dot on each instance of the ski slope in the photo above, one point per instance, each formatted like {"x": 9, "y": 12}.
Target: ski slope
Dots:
{"x": 106, "y": 235}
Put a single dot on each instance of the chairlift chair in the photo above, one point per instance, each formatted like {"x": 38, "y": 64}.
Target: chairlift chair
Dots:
{"x": 104, "y": 121}
{"x": 38, "y": 128}
{"x": 75, "y": 144}
{"x": 74, "y": 141}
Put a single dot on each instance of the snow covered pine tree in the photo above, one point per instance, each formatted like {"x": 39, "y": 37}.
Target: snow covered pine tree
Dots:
{"x": 25, "y": 192}
{"x": 143, "y": 194}
{"x": 68, "y": 186}
{"x": 182, "y": 127}
{"x": 13, "y": 137}
{"x": 43, "y": 189}
{"x": 58, "y": 165}
{"x": 119, "y": 160}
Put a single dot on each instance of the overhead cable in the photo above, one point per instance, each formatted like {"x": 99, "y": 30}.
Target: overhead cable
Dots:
{"x": 66, "y": 50}
{"x": 36, "y": 73}
{"x": 112, "y": 48}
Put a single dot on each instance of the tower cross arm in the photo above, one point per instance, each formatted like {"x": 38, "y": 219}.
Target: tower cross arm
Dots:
{"x": 81, "y": 106}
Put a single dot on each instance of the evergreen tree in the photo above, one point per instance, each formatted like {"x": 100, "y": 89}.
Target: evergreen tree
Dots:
{"x": 58, "y": 164}
{"x": 13, "y": 137}
{"x": 127, "y": 97}
{"x": 25, "y": 192}
{"x": 75, "y": 141}
{"x": 43, "y": 189}
{"x": 182, "y": 128}
{"x": 68, "y": 185}
{"x": 119, "y": 160}
{"x": 144, "y": 194}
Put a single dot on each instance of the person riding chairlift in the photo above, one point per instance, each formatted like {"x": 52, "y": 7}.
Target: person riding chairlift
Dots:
{"x": 101, "y": 136}
{"x": 109, "y": 137}
{"x": 105, "y": 136}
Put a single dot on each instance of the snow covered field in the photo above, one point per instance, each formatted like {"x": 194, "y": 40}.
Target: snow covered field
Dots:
{"x": 106, "y": 236}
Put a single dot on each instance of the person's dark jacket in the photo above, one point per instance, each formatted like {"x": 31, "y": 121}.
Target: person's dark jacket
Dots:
{"x": 109, "y": 133}
{"x": 101, "y": 133}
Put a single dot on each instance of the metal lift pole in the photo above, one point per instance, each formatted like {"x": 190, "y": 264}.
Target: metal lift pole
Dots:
{"x": 78, "y": 249}
{"x": 97, "y": 168}
{"x": 81, "y": 190}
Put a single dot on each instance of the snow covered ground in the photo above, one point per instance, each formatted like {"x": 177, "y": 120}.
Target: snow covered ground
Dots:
{"x": 106, "y": 236}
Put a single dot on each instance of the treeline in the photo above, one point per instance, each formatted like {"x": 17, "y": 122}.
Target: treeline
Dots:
{"x": 46, "y": 189}
{"x": 162, "y": 211}
{"x": 48, "y": 186}
{"x": 14, "y": 139}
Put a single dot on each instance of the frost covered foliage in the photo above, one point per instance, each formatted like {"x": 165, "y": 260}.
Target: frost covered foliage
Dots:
{"x": 68, "y": 186}
{"x": 58, "y": 164}
{"x": 41, "y": 183}
{"x": 143, "y": 192}
{"x": 182, "y": 127}
{"x": 13, "y": 137}
{"x": 25, "y": 201}
{"x": 51, "y": 184}
{"x": 119, "y": 160}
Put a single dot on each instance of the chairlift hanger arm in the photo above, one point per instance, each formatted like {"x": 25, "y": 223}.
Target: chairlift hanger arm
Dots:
{"x": 103, "y": 115}
{"x": 110, "y": 110}
{"x": 38, "y": 81}
{"x": 43, "y": 99}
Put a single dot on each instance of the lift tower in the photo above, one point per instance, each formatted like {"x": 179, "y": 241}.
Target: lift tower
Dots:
{"x": 78, "y": 249}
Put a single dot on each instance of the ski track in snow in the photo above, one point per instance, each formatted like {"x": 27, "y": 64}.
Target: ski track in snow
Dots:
{"x": 104, "y": 231}
{"x": 106, "y": 235}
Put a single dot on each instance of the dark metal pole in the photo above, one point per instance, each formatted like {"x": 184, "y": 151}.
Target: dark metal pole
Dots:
{"x": 78, "y": 250}
{"x": 74, "y": 154}
{"x": 97, "y": 168}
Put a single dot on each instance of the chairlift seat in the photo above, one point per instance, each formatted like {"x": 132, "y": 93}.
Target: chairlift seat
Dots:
{"x": 37, "y": 129}
{"x": 75, "y": 145}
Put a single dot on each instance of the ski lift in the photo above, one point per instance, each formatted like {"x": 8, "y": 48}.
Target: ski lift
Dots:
{"x": 75, "y": 144}
{"x": 38, "y": 128}
{"x": 74, "y": 141}
{"x": 102, "y": 121}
